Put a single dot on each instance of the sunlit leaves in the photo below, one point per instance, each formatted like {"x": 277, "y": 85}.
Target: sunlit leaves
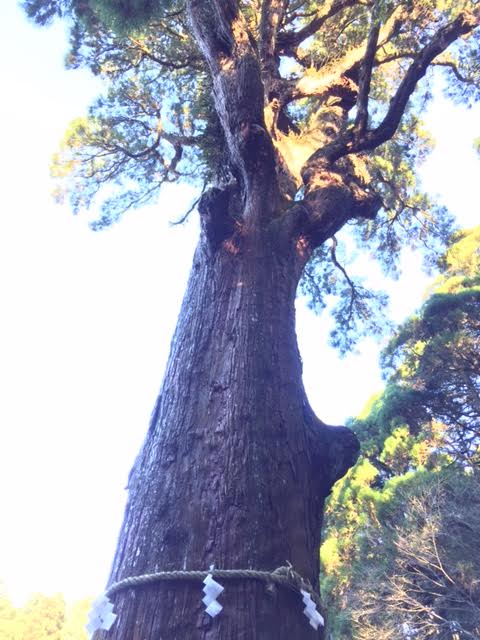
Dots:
{"x": 435, "y": 355}
{"x": 402, "y": 522}
{"x": 44, "y": 618}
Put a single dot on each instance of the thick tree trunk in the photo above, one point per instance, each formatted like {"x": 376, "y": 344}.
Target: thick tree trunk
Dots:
{"x": 235, "y": 466}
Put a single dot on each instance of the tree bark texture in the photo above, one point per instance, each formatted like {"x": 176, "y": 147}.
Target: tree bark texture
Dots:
{"x": 235, "y": 466}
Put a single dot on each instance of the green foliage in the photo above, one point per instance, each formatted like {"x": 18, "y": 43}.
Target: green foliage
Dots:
{"x": 44, "y": 11}
{"x": 44, "y": 618}
{"x": 434, "y": 358}
{"x": 121, "y": 16}
{"x": 357, "y": 310}
{"x": 379, "y": 564}
{"x": 399, "y": 552}
{"x": 408, "y": 218}
{"x": 156, "y": 122}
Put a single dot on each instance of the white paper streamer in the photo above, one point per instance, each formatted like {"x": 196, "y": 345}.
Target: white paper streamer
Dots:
{"x": 310, "y": 610}
{"x": 101, "y": 615}
{"x": 212, "y": 590}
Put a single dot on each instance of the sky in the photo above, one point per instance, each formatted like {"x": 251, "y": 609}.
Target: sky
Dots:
{"x": 86, "y": 320}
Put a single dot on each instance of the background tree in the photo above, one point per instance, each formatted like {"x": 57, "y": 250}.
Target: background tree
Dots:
{"x": 10, "y": 622}
{"x": 297, "y": 117}
{"x": 44, "y": 618}
{"x": 399, "y": 549}
{"x": 76, "y": 619}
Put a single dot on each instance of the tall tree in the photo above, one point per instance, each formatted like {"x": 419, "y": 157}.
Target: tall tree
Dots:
{"x": 435, "y": 357}
{"x": 412, "y": 494}
{"x": 297, "y": 118}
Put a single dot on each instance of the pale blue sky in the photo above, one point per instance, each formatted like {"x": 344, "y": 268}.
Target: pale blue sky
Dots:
{"x": 87, "y": 318}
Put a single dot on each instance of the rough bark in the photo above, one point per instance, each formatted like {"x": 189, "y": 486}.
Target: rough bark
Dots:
{"x": 235, "y": 466}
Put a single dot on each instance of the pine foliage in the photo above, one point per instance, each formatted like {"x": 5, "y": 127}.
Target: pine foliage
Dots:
{"x": 399, "y": 554}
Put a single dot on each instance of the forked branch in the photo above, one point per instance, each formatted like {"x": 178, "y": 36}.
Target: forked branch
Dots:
{"x": 355, "y": 141}
{"x": 463, "y": 25}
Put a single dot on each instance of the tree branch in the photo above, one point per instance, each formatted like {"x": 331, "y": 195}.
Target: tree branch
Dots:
{"x": 270, "y": 21}
{"x": 450, "y": 64}
{"x": 146, "y": 52}
{"x": 351, "y": 284}
{"x": 320, "y": 82}
{"x": 464, "y": 24}
{"x": 289, "y": 41}
{"x": 222, "y": 35}
{"x": 361, "y": 120}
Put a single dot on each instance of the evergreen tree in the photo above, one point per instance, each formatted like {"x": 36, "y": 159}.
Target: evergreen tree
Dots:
{"x": 399, "y": 553}
{"x": 298, "y": 119}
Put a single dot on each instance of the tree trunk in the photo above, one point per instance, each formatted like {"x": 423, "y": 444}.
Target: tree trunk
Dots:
{"x": 235, "y": 467}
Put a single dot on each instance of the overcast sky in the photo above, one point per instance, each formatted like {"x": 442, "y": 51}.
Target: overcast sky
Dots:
{"x": 86, "y": 319}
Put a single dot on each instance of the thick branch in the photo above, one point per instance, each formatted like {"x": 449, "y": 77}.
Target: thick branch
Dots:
{"x": 223, "y": 37}
{"x": 332, "y": 197}
{"x": 321, "y": 82}
{"x": 361, "y": 120}
{"x": 464, "y": 24}
{"x": 271, "y": 19}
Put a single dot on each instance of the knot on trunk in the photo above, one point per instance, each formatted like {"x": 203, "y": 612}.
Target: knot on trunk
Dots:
{"x": 219, "y": 213}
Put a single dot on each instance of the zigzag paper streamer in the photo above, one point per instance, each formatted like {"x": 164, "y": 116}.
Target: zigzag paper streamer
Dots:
{"x": 212, "y": 590}
{"x": 101, "y": 615}
{"x": 310, "y": 610}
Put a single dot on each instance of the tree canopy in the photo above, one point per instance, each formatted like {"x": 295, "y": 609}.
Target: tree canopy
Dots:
{"x": 298, "y": 120}
{"x": 434, "y": 360}
{"x": 343, "y": 83}
{"x": 43, "y": 618}
{"x": 399, "y": 553}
